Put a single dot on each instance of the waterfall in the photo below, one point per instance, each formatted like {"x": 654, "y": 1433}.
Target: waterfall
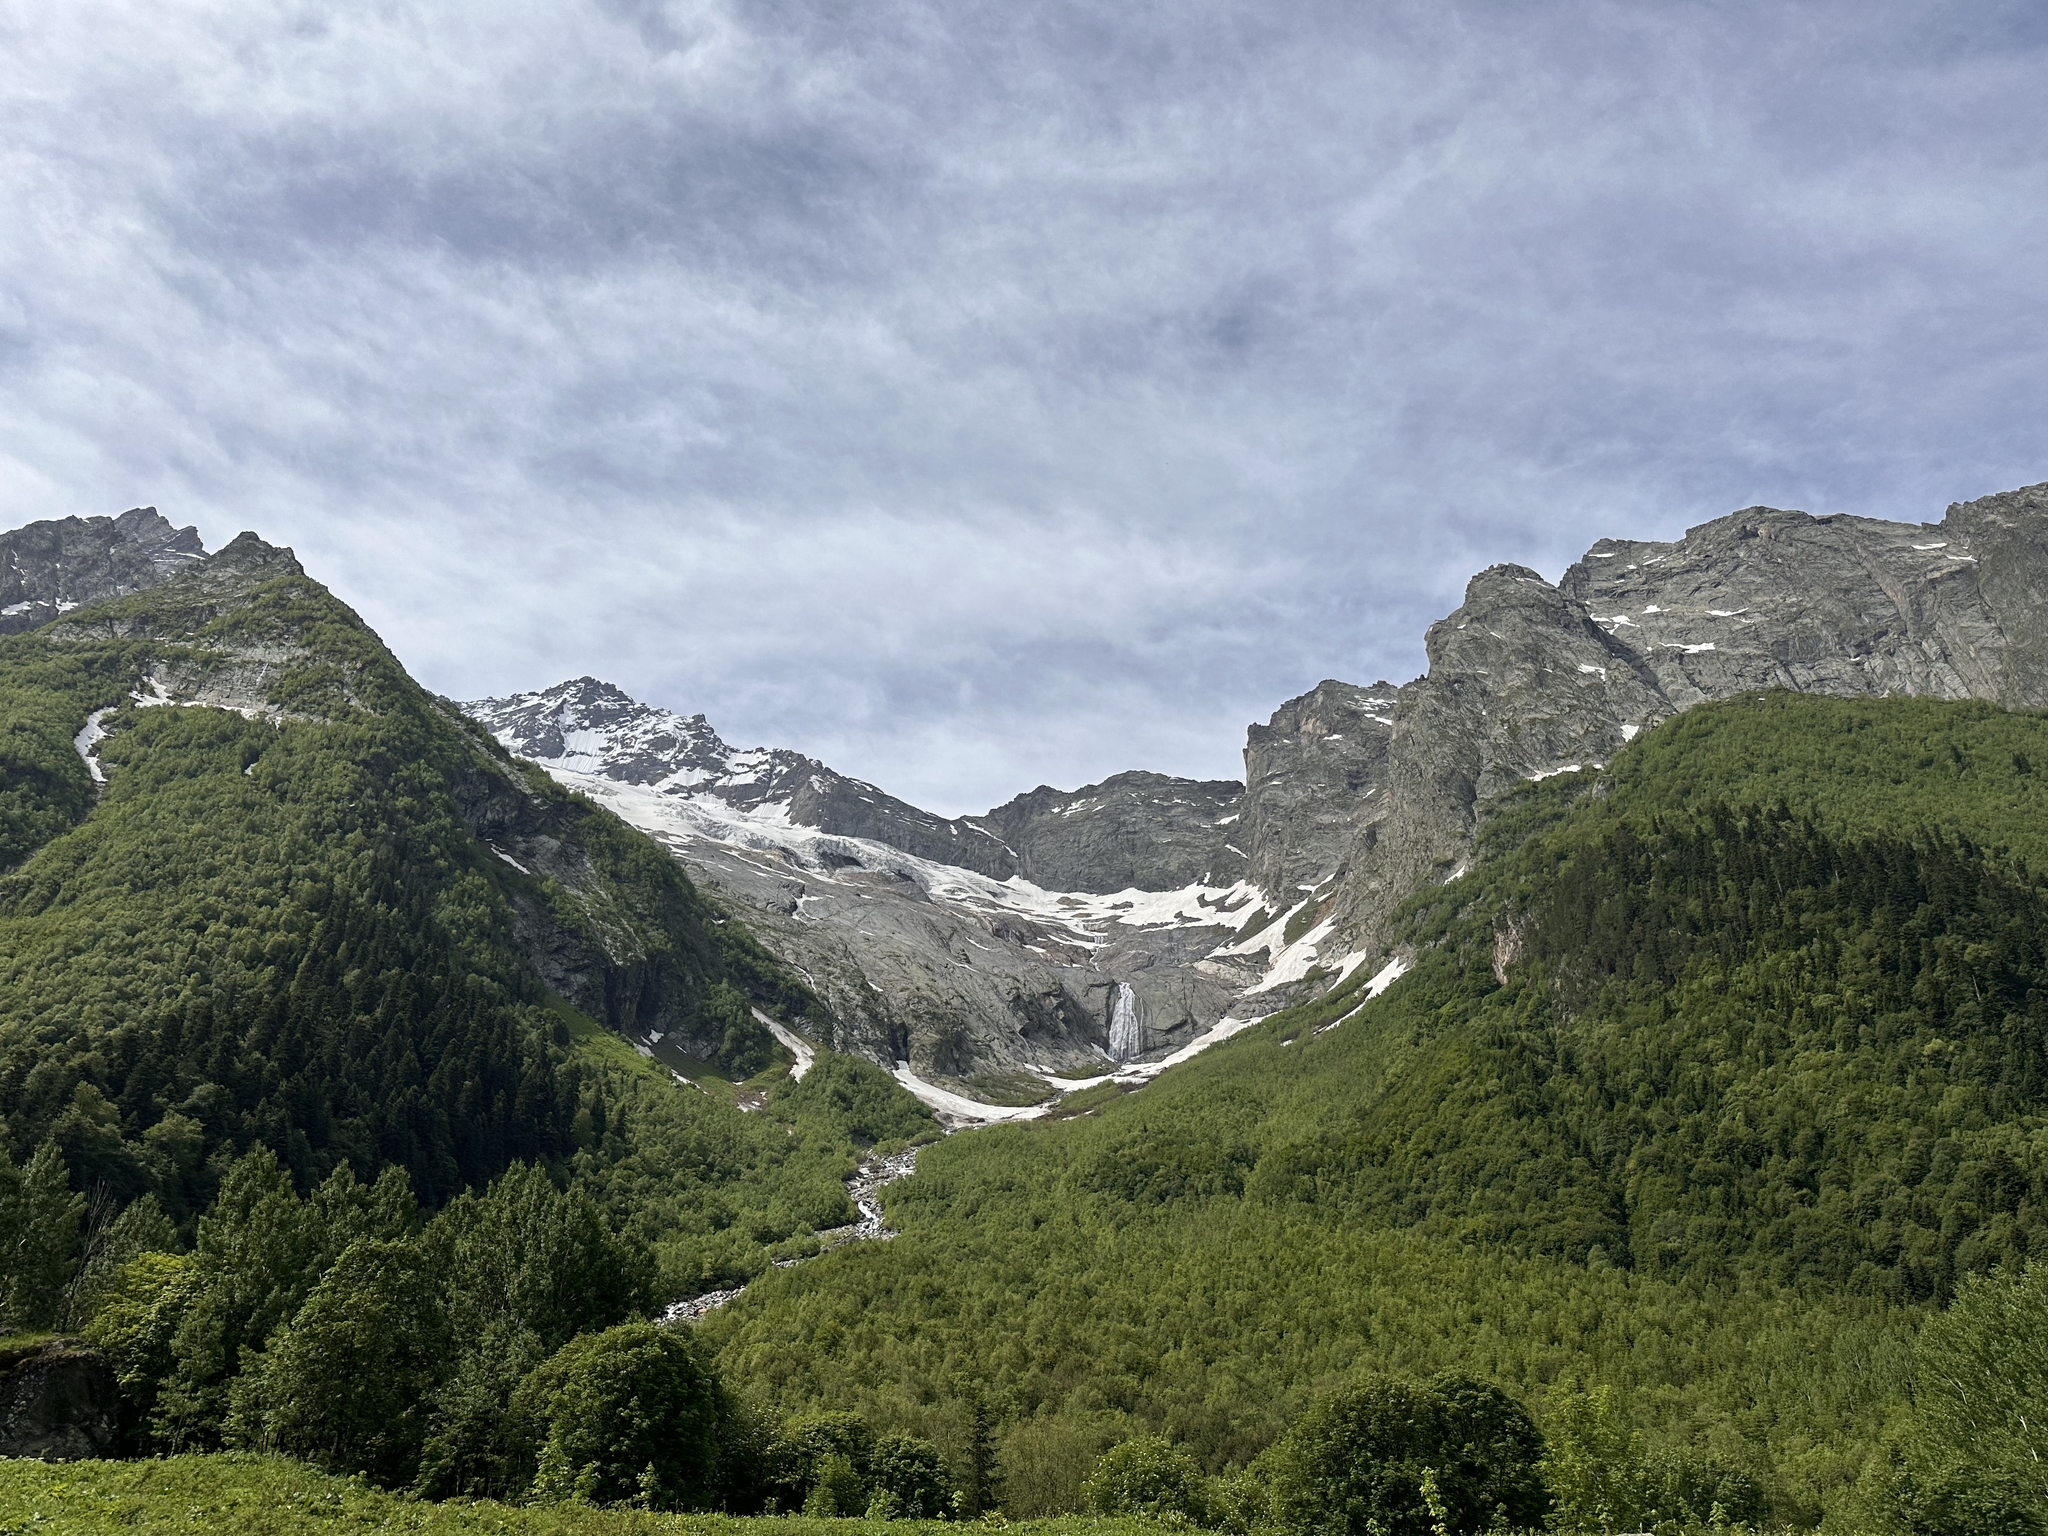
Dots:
{"x": 1126, "y": 1034}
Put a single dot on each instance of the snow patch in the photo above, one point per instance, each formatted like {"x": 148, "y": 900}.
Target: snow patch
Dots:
{"x": 798, "y": 1047}
{"x": 1382, "y": 979}
{"x": 958, "y": 1107}
{"x": 86, "y": 744}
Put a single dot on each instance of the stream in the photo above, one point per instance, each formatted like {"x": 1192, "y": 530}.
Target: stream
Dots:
{"x": 864, "y": 1189}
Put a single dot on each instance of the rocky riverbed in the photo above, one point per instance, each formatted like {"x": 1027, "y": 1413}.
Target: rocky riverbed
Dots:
{"x": 864, "y": 1189}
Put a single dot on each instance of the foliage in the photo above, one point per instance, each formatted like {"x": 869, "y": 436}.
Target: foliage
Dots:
{"x": 981, "y": 1472}
{"x": 1758, "y": 1080}
{"x": 208, "y": 1495}
{"x": 134, "y": 1327}
{"x": 798, "y": 1454}
{"x": 1603, "y": 1475}
{"x": 1358, "y": 1460}
{"x": 744, "y": 1045}
{"x": 347, "y": 1383}
{"x": 260, "y": 1253}
{"x": 1979, "y": 1429}
{"x": 284, "y": 931}
{"x": 1147, "y": 1476}
{"x": 634, "y": 1412}
{"x": 39, "y": 1236}
{"x": 909, "y": 1479}
{"x": 856, "y": 1099}
{"x": 113, "y": 1240}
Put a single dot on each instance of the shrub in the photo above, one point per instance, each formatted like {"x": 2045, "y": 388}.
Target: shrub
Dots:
{"x": 39, "y": 1231}
{"x": 1355, "y": 1461}
{"x": 806, "y": 1442}
{"x": 1981, "y": 1377}
{"x": 839, "y": 1490}
{"x": 911, "y": 1475}
{"x": 1605, "y": 1478}
{"x": 633, "y": 1413}
{"x": 1146, "y": 1476}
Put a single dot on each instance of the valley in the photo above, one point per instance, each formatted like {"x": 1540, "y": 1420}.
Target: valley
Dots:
{"x": 1634, "y": 1029}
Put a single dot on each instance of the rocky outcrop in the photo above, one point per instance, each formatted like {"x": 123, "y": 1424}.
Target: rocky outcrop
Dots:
{"x": 1135, "y": 831}
{"x": 1310, "y": 773}
{"x": 1527, "y": 679}
{"x": 59, "y": 1402}
{"x": 49, "y": 568}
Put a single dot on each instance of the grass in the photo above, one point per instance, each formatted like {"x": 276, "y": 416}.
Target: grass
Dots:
{"x": 17, "y": 1347}
{"x": 230, "y": 1495}
{"x": 1014, "y": 1089}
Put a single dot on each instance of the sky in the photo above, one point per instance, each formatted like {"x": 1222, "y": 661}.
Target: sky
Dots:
{"x": 982, "y": 395}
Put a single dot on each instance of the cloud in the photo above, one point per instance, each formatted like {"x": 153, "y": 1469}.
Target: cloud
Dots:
{"x": 976, "y": 395}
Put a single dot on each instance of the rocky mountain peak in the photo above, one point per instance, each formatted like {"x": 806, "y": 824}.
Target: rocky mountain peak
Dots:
{"x": 587, "y": 725}
{"x": 51, "y": 567}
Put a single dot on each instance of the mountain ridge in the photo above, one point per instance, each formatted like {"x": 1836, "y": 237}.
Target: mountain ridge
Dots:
{"x": 1356, "y": 797}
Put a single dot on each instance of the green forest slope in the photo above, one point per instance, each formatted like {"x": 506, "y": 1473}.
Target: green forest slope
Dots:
{"x": 1715, "y": 1073}
{"x": 326, "y": 914}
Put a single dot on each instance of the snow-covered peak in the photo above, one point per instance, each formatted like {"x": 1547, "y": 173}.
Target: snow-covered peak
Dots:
{"x": 591, "y": 727}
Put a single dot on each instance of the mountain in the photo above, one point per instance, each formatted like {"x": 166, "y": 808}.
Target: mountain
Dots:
{"x": 928, "y": 940}
{"x": 258, "y": 887}
{"x": 969, "y": 946}
{"x": 1715, "y": 1071}
{"x": 1527, "y": 679}
{"x": 50, "y": 568}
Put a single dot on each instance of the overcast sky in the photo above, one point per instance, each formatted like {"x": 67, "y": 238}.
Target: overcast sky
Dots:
{"x": 980, "y": 395}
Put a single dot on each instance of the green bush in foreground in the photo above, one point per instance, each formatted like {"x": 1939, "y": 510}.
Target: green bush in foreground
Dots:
{"x": 1147, "y": 1476}
{"x": 1394, "y": 1457}
{"x": 1977, "y": 1457}
{"x": 633, "y": 1413}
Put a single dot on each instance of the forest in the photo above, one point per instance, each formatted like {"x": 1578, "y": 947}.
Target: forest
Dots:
{"x": 1691, "y": 1177}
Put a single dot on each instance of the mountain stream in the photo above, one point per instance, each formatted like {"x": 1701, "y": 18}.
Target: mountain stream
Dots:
{"x": 864, "y": 1189}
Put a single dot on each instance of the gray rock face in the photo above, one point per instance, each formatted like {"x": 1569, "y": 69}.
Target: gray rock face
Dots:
{"x": 49, "y": 568}
{"x": 60, "y": 1403}
{"x": 1310, "y": 772}
{"x": 1527, "y": 679}
{"x": 956, "y": 946}
{"x": 1142, "y": 831}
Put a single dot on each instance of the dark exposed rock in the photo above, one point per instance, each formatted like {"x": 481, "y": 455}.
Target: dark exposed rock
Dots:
{"x": 59, "y": 1402}
{"x": 608, "y": 965}
{"x": 1142, "y": 831}
{"x": 1308, "y": 773}
{"x": 49, "y": 568}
